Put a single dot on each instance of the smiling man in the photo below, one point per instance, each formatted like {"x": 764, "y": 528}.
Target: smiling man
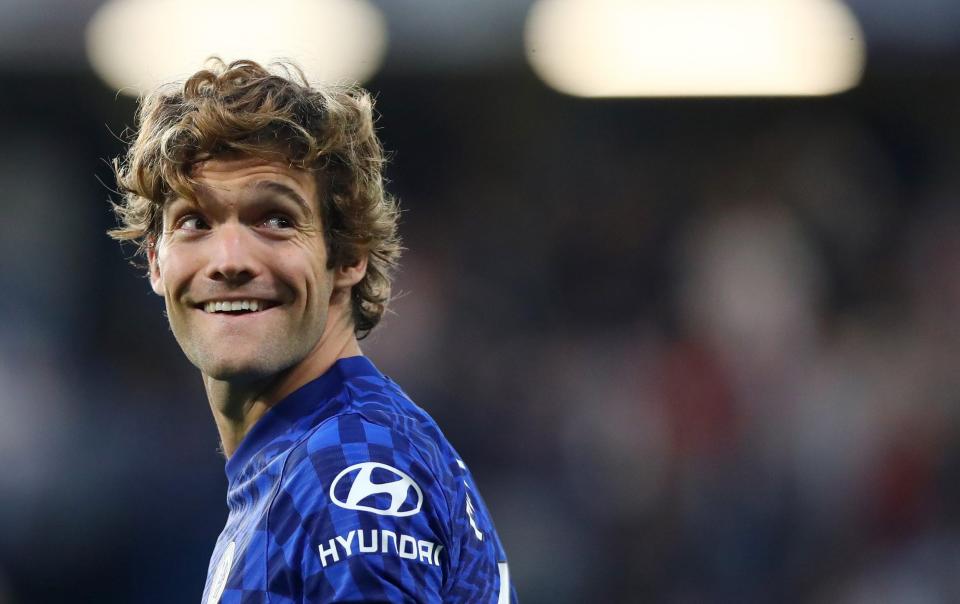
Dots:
{"x": 258, "y": 201}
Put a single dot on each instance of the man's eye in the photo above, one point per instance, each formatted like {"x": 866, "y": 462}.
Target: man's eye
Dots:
{"x": 278, "y": 222}
{"x": 192, "y": 223}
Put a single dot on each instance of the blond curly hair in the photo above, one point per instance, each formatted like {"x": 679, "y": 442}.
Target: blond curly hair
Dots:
{"x": 243, "y": 108}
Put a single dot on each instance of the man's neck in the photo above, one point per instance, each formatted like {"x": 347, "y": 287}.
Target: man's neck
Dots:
{"x": 238, "y": 406}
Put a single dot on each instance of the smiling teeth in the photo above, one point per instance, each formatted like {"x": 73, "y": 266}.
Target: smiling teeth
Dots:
{"x": 251, "y": 305}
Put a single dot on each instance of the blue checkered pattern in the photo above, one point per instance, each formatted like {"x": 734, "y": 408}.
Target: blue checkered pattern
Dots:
{"x": 346, "y": 491}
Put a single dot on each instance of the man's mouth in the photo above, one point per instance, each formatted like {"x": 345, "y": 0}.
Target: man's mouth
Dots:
{"x": 236, "y": 307}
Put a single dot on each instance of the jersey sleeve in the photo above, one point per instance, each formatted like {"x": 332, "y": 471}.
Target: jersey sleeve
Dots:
{"x": 359, "y": 517}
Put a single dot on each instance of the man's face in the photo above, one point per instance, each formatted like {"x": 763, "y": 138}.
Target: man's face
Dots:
{"x": 254, "y": 240}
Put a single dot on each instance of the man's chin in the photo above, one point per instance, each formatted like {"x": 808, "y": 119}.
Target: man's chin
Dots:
{"x": 239, "y": 371}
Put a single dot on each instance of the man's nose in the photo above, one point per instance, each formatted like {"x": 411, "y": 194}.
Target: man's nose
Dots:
{"x": 232, "y": 259}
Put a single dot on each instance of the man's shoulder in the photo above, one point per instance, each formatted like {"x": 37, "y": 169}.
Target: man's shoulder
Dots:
{"x": 377, "y": 429}
{"x": 378, "y": 414}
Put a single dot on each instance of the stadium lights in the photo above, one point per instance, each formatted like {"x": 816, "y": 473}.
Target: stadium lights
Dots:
{"x": 625, "y": 48}
{"x": 135, "y": 45}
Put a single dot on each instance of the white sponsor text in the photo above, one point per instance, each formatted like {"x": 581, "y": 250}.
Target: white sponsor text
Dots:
{"x": 382, "y": 542}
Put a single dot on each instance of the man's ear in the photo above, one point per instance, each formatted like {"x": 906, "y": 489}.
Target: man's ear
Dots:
{"x": 156, "y": 281}
{"x": 346, "y": 276}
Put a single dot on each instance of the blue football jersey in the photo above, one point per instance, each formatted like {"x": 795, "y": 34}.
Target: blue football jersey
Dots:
{"x": 346, "y": 491}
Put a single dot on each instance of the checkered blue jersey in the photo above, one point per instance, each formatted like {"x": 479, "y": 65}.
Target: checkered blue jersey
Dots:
{"x": 346, "y": 491}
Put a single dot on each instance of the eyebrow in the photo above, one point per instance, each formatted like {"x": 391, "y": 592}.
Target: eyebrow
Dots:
{"x": 277, "y": 188}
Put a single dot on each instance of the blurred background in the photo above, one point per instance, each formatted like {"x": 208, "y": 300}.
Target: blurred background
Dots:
{"x": 694, "y": 348}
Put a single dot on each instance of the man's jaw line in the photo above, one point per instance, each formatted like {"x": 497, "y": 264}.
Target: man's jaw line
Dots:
{"x": 238, "y": 404}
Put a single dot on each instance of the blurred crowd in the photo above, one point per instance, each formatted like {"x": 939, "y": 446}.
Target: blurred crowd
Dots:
{"x": 694, "y": 351}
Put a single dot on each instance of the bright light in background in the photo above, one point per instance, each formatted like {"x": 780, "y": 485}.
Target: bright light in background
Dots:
{"x": 620, "y": 48}
{"x": 137, "y": 44}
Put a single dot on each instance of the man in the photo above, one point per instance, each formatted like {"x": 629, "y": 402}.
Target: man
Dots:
{"x": 259, "y": 203}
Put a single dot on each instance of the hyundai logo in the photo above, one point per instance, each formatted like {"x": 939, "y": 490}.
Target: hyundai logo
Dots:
{"x": 391, "y": 482}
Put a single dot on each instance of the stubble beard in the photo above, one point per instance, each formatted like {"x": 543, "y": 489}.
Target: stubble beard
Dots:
{"x": 253, "y": 362}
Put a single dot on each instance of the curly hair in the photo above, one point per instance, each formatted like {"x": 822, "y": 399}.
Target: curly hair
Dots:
{"x": 242, "y": 108}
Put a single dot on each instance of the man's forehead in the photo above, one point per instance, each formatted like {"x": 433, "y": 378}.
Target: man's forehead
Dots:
{"x": 241, "y": 171}
{"x": 238, "y": 178}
